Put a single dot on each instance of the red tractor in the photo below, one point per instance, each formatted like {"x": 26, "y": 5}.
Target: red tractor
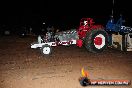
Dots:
{"x": 93, "y": 37}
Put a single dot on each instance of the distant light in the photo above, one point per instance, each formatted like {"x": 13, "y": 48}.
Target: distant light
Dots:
{"x": 44, "y": 23}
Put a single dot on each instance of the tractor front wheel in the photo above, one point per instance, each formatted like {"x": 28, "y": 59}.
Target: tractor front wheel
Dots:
{"x": 96, "y": 41}
{"x": 46, "y": 49}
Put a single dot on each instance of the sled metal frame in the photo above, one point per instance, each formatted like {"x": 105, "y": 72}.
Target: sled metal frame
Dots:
{"x": 64, "y": 43}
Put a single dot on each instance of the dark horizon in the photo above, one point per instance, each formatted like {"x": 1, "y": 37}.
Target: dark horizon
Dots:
{"x": 63, "y": 12}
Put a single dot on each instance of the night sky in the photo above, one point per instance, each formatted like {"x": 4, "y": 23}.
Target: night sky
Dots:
{"x": 61, "y": 12}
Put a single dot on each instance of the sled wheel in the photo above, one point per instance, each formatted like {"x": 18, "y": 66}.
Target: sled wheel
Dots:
{"x": 46, "y": 49}
{"x": 96, "y": 41}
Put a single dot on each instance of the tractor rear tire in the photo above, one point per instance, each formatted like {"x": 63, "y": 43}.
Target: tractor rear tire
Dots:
{"x": 46, "y": 49}
{"x": 96, "y": 41}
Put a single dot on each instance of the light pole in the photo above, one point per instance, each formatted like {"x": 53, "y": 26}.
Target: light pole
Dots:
{"x": 113, "y": 7}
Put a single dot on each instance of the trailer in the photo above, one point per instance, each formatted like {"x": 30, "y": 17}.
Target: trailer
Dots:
{"x": 120, "y": 36}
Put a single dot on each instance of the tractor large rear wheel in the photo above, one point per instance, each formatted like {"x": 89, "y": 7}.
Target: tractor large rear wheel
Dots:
{"x": 96, "y": 41}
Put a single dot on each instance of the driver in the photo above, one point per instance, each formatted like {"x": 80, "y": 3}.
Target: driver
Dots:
{"x": 85, "y": 23}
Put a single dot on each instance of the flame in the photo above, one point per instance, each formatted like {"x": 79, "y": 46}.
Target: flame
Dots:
{"x": 84, "y": 73}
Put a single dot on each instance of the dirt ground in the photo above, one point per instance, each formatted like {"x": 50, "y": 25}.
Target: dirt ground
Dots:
{"x": 23, "y": 67}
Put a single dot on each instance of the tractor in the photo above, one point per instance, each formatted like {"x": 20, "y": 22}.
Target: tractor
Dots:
{"x": 92, "y": 36}
{"x": 120, "y": 36}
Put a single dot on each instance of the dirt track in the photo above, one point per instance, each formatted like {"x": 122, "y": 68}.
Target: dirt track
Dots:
{"x": 23, "y": 67}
